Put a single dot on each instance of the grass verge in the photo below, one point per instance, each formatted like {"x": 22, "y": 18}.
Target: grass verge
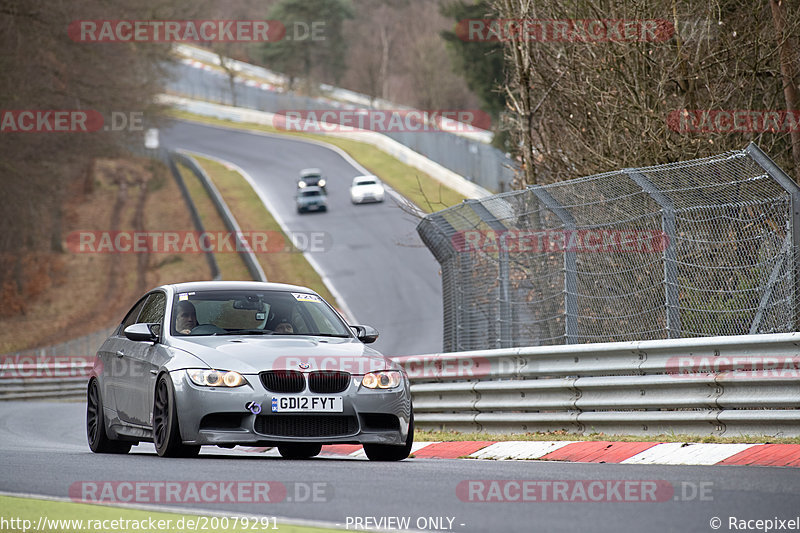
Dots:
{"x": 421, "y": 189}
{"x": 65, "y": 517}
{"x": 231, "y": 265}
{"x": 455, "y": 436}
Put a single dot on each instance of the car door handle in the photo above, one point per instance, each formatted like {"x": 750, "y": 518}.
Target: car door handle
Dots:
{"x": 120, "y": 353}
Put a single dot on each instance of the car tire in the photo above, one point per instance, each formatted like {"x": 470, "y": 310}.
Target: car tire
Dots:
{"x": 166, "y": 431}
{"x": 96, "y": 424}
{"x": 300, "y": 450}
{"x": 387, "y": 452}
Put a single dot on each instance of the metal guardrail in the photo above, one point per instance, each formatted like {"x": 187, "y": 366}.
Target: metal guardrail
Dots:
{"x": 59, "y": 371}
{"x": 190, "y": 205}
{"x": 736, "y": 385}
{"x": 725, "y": 386}
{"x": 246, "y": 253}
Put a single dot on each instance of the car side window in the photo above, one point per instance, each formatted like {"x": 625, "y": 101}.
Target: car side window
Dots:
{"x": 153, "y": 311}
{"x": 132, "y": 315}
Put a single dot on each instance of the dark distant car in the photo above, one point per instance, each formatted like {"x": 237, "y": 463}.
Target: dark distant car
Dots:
{"x": 312, "y": 177}
{"x": 311, "y": 199}
{"x": 249, "y": 363}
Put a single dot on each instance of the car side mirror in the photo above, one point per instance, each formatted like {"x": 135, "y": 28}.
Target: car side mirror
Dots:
{"x": 143, "y": 332}
{"x": 366, "y": 334}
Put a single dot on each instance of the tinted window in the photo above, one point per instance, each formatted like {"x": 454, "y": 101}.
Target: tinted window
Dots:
{"x": 153, "y": 310}
{"x": 132, "y": 315}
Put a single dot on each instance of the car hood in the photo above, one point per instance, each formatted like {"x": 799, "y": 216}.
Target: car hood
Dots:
{"x": 251, "y": 355}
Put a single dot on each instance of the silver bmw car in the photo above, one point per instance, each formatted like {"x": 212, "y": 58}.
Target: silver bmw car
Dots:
{"x": 245, "y": 363}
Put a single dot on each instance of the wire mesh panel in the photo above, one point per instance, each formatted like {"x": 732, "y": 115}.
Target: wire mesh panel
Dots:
{"x": 697, "y": 248}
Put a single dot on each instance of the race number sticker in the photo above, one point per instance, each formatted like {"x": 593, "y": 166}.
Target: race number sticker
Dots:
{"x": 302, "y": 297}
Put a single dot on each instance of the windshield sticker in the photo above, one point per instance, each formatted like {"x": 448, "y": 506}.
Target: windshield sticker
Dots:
{"x": 182, "y": 297}
{"x": 301, "y": 297}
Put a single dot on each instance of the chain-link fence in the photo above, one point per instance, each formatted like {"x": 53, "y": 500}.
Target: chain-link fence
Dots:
{"x": 476, "y": 161}
{"x": 696, "y": 248}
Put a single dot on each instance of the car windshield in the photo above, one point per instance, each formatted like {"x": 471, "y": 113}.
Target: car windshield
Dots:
{"x": 366, "y": 182}
{"x": 255, "y": 313}
{"x": 310, "y": 193}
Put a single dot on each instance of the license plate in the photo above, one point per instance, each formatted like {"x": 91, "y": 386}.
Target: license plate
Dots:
{"x": 307, "y": 404}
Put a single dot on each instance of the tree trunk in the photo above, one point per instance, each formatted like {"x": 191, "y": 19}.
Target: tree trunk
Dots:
{"x": 789, "y": 70}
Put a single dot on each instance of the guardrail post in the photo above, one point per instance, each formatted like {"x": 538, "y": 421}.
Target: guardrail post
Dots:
{"x": 789, "y": 185}
{"x": 671, "y": 293}
{"x": 570, "y": 264}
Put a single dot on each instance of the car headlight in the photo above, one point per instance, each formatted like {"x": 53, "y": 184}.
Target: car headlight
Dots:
{"x": 301, "y": 184}
{"x": 321, "y": 183}
{"x": 216, "y": 378}
{"x": 388, "y": 379}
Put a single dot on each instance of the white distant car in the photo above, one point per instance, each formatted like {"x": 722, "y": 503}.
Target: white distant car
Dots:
{"x": 366, "y": 189}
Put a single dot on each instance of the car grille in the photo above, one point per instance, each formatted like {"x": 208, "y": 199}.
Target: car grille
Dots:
{"x": 328, "y": 381}
{"x": 306, "y": 425}
{"x": 283, "y": 381}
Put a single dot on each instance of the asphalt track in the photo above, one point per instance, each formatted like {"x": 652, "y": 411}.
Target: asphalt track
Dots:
{"x": 376, "y": 261}
{"x": 43, "y": 451}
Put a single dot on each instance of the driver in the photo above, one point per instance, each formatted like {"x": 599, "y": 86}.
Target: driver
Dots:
{"x": 185, "y": 317}
{"x": 284, "y": 327}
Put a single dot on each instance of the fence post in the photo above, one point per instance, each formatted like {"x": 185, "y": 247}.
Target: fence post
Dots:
{"x": 433, "y": 230}
{"x": 671, "y": 294}
{"x": 789, "y": 185}
{"x": 504, "y": 307}
{"x": 570, "y": 264}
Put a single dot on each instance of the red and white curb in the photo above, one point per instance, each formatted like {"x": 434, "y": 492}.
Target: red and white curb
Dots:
{"x": 660, "y": 453}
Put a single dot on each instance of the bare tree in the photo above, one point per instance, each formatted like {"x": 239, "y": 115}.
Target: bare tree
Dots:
{"x": 578, "y": 107}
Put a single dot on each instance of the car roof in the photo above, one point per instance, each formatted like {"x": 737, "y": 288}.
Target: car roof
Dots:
{"x": 365, "y": 178}
{"x": 310, "y": 172}
{"x": 236, "y": 286}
